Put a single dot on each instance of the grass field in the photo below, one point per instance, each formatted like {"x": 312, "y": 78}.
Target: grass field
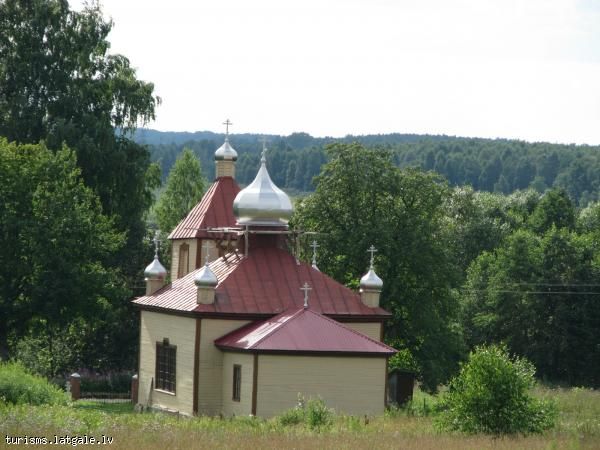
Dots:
{"x": 409, "y": 428}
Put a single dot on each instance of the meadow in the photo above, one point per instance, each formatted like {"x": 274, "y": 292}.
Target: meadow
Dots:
{"x": 411, "y": 427}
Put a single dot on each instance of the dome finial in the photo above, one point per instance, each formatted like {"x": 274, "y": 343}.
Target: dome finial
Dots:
{"x": 372, "y": 250}
{"x": 314, "y": 246}
{"x": 155, "y": 270}
{"x": 306, "y": 288}
{"x": 263, "y": 153}
{"x": 226, "y": 152}
{"x": 206, "y": 277}
{"x": 156, "y": 243}
{"x": 370, "y": 281}
{"x": 227, "y": 123}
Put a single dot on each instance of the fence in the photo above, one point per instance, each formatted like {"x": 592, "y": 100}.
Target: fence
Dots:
{"x": 74, "y": 386}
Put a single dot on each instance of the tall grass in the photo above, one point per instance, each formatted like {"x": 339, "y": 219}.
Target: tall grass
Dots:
{"x": 578, "y": 428}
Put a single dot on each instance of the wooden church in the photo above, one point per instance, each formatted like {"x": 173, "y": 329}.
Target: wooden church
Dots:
{"x": 244, "y": 327}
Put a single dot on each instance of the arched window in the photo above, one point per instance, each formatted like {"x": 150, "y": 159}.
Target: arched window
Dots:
{"x": 184, "y": 260}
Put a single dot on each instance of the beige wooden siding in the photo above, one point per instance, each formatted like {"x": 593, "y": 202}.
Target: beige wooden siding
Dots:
{"x": 352, "y": 385}
{"x": 244, "y": 406}
{"x": 180, "y": 331}
{"x": 210, "y": 373}
{"x": 176, "y": 243}
{"x": 371, "y": 329}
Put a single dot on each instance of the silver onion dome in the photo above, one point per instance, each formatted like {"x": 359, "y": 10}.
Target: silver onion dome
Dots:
{"x": 262, "y": 202}
{"x": 226, "y": 152}
{"x": 371, "y": 282}
{"x": 155, "y": 270}
{"x": 206, "y": 277}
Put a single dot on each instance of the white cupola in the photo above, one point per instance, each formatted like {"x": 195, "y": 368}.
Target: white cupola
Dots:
{"x": 370, "y": 284}
{"x": 225, "y": 156}
{"x": 206, "y": 281}
{"x": 155, "y": 273}
{"x": 262, "y": 203}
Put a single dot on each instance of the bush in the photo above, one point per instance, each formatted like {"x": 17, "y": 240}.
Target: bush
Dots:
{"x": 491, "y": 395}
{"x": 18, "y": 386}
{"x": 314, "y": 413}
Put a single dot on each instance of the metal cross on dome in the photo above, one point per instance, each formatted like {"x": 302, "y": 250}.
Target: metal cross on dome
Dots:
{"x": 314, "y": 246}
{"x": 206, "y": 246}
{"x": 156, "y": 243}
{"x": 306, "y": 288}
{"x": 263, "y": 157}
{"x": 372, "y": 250}
{"x": 227, "y": 123}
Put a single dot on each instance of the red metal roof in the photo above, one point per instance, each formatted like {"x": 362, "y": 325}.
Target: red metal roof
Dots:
{"x": 301, "y": 330}
{"x": 266, "y": 282}
{"x": 214, "y": 210}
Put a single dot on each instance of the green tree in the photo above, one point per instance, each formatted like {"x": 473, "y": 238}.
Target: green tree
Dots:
{"x": 492, "y": 395}
{"x": 58, "y": 83}
{"x": 555, "y": 208}
{"x": 56, "y": 247}
{"x": 361, "y": 199}
{"x": 184, "y": 188}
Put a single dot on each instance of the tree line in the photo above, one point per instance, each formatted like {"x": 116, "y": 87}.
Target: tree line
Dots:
{"x": 498, "y": 165}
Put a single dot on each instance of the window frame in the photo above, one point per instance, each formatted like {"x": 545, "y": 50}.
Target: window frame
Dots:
{"x": 236, "y": 392}
{"x": 165, "y": 373}
{"x": 184, "y": 260}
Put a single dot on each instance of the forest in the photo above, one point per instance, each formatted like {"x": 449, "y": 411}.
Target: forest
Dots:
{"x": 492, "y": 165}
{"x": 479, "y": 241}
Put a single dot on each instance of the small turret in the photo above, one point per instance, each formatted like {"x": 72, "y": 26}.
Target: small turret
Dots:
{"x": 371, "y": 285}
{"x": 155, "y": 273}
{"x": 206, "y": 281}
{"x": 225, "y": 156}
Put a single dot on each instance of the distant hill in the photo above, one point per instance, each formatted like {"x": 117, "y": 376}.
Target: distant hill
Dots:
{"x": 496, "y": 165}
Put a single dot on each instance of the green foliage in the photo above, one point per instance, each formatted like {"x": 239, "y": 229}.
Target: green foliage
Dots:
{"x": 401, "y": 212}
{"x": 114, "y": 383}
{"x": 318, "y": 415}
{"x": 313, "y": 413}
{"x": 53, "y": 231}
{"x": 554, "y": 209}
{"x": 184, "y": 188}
{"x": 491, "y": 394}
{"x": 18, "y": 386}
{"x": 60, "y": 84}
{"x": 501, "y": 166}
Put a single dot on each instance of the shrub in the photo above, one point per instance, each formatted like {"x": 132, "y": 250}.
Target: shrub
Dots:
{"x": 491, "y": 394}
{"x": 318, "y": 415}
{"x": 18, "y": 386}
{"x": 314, "y": 413}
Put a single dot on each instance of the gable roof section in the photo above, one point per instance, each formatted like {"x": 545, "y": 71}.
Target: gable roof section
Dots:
{"x": 214, "y": 210}
{"x": 266, "y": 282}
{"x": 301, "y": 331}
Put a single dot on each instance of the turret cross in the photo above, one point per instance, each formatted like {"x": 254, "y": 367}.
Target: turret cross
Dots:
{"x": 314, "y": 246}
{"x": 263, "y": 154}
{"x": 372, "y": 250}
{"x": 227, "y": 123}
{"x": 206, "y": 246}
{"x": 306, "y": 288}
{"x": 156, "y": 243}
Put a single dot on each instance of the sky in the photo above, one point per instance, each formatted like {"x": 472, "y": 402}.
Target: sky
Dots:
{"x": 522, "y": 69}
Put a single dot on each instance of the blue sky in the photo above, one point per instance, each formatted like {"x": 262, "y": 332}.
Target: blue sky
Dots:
{"x": 515, "y": 69}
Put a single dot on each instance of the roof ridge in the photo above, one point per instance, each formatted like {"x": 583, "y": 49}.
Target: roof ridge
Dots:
{"x": 339, "y": 324}
{"x": 276, "y": 329}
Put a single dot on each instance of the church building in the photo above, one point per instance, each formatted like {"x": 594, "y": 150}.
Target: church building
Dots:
{"x": 244, "y": 327}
